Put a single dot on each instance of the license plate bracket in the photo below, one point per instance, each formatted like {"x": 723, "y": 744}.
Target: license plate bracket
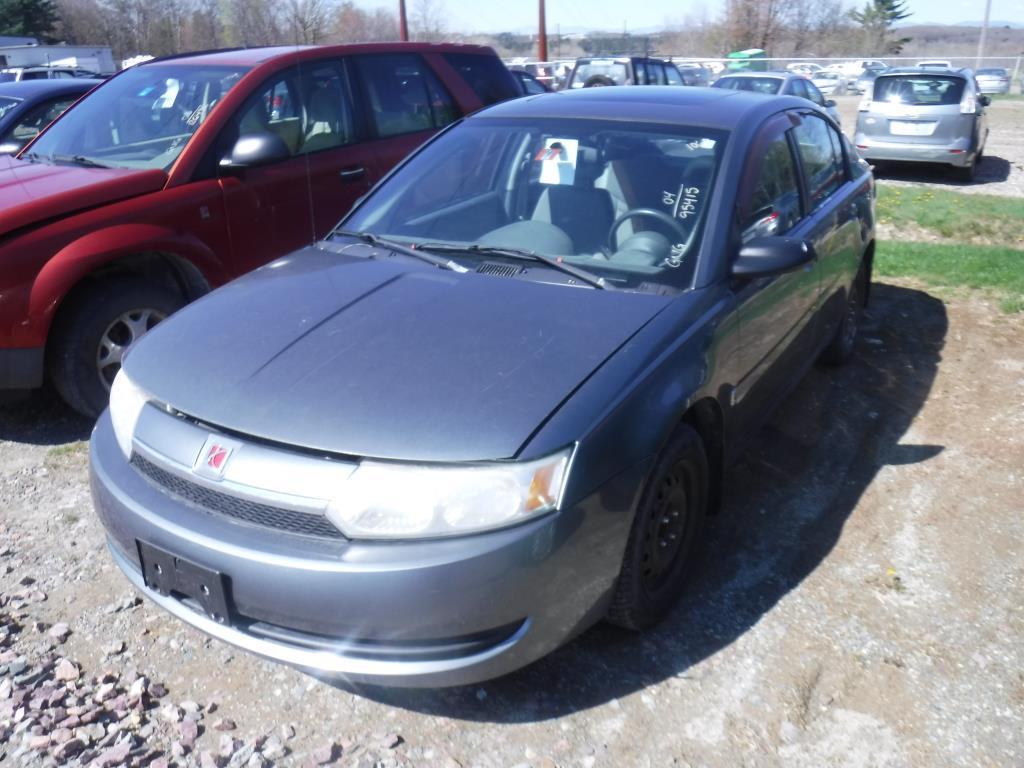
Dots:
{"x": 171, "y": 575}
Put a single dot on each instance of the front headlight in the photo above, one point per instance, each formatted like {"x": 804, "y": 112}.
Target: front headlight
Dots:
{"x": 390, "y": 500}
{"x": 126, "y": 404}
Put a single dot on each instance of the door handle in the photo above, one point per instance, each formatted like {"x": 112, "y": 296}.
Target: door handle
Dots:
{"x": 351, "y": 174}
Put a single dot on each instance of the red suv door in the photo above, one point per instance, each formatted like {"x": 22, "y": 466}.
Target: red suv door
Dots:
{"x": 277, "y": 208}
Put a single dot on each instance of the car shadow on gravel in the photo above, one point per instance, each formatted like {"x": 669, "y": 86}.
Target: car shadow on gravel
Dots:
{"x": 789, "y": 498}
{"x": 42, "y": 418}
{"x": 990, "y": 170}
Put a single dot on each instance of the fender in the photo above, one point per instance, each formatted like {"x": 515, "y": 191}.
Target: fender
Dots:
{"x": 100, "y": 248}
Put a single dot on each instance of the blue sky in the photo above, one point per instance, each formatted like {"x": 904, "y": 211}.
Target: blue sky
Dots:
{"x": 489, "y": 15}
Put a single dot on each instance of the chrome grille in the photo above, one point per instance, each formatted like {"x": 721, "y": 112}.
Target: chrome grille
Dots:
{"x": 236, "y": 508}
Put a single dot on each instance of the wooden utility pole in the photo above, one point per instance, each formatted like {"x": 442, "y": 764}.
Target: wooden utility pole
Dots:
{"x": 403, "y": 22}
{"x": 984, "y": 33}
{"x": 542, "y": 38}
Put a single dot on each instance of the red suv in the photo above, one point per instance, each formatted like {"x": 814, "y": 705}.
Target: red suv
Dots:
{"x": 180, "y": 174}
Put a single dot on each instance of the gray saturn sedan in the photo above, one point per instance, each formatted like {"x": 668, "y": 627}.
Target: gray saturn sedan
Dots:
{"x": 496, "y": 404}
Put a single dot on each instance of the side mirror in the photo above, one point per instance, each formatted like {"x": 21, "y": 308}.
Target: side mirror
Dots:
{"x": 771, "y": 256}
{"x": 255, "y": 149}
{"x": 985, "y": 101}
{"x": 830, "y": 103}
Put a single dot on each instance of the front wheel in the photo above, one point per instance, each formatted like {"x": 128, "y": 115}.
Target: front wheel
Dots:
{"x": 96, "y": 329}
{"x": 664, "y": 536}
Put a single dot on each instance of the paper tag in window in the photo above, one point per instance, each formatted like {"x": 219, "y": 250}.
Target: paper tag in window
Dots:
{"x": 558, "y": 161}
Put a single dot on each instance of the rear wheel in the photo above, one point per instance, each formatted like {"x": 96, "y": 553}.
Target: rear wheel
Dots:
{"x": 94, "y": 332}
{"x": 664, "y": 536}
{"x": 966, "y": 173}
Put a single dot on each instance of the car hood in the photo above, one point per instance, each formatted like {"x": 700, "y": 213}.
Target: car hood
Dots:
{"x": 33, "y": 192}
{"x": 386, "y": 358}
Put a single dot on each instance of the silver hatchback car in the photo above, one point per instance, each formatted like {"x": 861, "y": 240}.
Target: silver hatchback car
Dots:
{"x": 922, "y": 115}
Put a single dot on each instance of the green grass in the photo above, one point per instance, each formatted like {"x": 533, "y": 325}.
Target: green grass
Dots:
{"x": 992, "y": 268}
{"x": 978, "y": 219}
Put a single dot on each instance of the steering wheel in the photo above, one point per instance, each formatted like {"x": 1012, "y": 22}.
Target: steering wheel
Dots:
{"x": 651, "y": 213}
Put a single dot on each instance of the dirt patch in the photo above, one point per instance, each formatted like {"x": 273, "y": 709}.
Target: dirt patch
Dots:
{"x": 859, "y": 600}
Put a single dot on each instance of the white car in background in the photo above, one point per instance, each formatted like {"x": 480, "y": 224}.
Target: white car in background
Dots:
{"x": 855, "y": 68}
{"x": 993, "y": 80}
{"x": 805, "y": 68}
{"x": 831, "y": 83}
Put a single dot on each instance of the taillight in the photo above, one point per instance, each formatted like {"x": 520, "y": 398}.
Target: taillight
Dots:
{"x": 968, "y": 104}
{"x": 865, "y": 102}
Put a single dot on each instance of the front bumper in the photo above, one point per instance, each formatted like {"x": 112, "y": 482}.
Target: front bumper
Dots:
{"x": 414, "y": 614}
{"x": 960, "y": 153}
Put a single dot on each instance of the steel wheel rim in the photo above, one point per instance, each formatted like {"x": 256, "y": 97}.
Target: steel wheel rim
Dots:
{"x": 123, "y": 331}
{"x": 665, "y": 532}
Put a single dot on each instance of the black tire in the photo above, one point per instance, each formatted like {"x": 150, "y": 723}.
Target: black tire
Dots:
{"x": 598, "y": 81}
{"x": 119, "y": 310}
{"x": 670, "y": 517}
{"x": 840, "y": 349}
{"x": 966, "y": 174}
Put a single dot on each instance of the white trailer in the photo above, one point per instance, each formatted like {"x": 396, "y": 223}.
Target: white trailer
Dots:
{"x": 93, "y": 58}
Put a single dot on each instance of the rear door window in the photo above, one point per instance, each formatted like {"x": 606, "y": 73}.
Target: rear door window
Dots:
{"x": 821, "y": 155}
{"x": 486, "y": 75}
{"x": 919, "y": 90}
{"x": 405, "y": 95}
{"x": 672, "y": 75}
{"x": 814, "y": 94}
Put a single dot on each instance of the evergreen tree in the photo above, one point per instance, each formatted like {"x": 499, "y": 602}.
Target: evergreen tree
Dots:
{"x": 28, "y": 18}
{"x": 877, "y": 19}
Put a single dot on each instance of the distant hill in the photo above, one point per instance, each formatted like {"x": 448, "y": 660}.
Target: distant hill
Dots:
{"x": 961, "y": 40}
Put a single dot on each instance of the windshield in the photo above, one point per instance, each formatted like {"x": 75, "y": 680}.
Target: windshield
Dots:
{"x": 757, "y": 84}
{"x": 557, "y": 187}
{"x": 603, "y": 71}
{"x": 6, "y": 105}
{"x": 919, "y": 90}
{"x": 142, "y": 118}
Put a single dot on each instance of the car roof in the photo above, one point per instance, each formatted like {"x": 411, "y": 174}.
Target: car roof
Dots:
{"x": 767, "y": 73}
{"x": 923, "y": 71}
{"x": 251, "y": 57}
{"x": 31, "y": 89}
{"x": 719, "y": 108}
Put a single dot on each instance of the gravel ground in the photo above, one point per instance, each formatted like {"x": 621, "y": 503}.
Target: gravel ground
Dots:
{"x": 860, "y": 602}
{"x": 1001, "y": 171}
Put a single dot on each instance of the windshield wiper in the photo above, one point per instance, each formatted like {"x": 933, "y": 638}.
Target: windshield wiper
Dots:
{"x": 371, "y": 239}
{"x": 517, "y": 253}
{"x": 81, "y": 160}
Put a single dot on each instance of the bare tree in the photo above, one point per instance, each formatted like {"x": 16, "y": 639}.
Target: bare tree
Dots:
{"x": 307, "y": 21}
{"x": 252, "y": 22}
{"x": 427, "y": 21}
{"x": 355, "y": 25}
